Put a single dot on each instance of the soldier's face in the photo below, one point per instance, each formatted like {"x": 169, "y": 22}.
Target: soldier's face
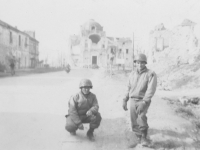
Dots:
{"x": 85, "y": 90}
{"x": 140, "y": 65}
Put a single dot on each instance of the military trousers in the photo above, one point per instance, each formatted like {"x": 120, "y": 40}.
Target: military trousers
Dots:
{"x": 138, "y": 121}
{"x": 93, "y": 121}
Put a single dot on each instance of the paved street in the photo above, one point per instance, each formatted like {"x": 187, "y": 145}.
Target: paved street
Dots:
{"x": 33, "y": 107}
{"x": 32, "y": 110}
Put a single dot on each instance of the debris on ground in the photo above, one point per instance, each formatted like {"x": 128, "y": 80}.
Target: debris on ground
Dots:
{"x": 187, "y": 100}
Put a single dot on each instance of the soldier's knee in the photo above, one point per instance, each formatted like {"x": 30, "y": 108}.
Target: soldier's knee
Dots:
{"x": 70, "y": 128}
{"x": 70, "y": 125}
{"x": 98, "y": 117}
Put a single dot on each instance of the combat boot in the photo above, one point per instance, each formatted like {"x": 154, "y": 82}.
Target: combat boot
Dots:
{"x": 90, "y": 134}
{"x": 139, "y": 137}
{"x": 136, "y": 142}
{"x": 144, "y": 141}
{"x": 73, "y": 133}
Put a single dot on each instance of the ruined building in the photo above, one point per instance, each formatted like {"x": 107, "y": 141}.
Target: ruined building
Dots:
{"x": 93, "y": 48}
{"x": 179, "y": 44}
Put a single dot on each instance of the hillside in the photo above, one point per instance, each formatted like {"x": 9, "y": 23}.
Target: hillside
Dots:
{"x": 177, "y": 75}
{"x": 174, "y": 55}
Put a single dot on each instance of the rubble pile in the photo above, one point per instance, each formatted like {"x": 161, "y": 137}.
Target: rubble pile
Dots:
{"x": 175, "y": 56}
{"x": 180, "y": 44}
{"x": 172, "y": 77}
{"x": 184, "y": 100}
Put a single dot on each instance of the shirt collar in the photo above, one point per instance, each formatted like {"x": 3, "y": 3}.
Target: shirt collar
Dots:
{"x": 84, "y": 94}
{"x": 141, "y": 71}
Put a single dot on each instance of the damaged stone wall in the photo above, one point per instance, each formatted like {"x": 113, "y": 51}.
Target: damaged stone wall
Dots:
{"x": 179, "y": 45}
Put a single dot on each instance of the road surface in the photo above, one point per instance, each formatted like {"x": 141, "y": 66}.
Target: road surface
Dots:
{"x": 32, "y": 110}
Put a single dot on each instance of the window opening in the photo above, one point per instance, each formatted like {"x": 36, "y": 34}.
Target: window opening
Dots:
{"x": 19, "y": 40}
{"x": 11, "y": 39}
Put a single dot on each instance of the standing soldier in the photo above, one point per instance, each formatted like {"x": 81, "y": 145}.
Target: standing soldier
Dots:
{"x": 141, "y": 87}
{"x": 68, "y": 68}
{"x": 12, "y": 66}
{"x": 83, "y": 108}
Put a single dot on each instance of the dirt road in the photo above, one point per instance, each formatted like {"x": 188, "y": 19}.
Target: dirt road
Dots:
{"x": 35, "y": 121}
{"x": 167, "y": 129}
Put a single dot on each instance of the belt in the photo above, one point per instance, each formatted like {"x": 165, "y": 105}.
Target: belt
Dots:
{"x": 136, "y": 99}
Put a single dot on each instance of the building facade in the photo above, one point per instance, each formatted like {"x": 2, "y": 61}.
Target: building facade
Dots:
{"x": 93, "y": 48}
{"x": 179, "y": 43}
{"x": 33, "y": 49}
{"x": 18, "y": 45}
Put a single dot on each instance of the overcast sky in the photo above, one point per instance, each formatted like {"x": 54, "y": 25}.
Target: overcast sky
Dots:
{"x": 54, "y": 20}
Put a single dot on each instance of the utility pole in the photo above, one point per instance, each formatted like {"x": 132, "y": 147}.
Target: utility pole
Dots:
{"x": 133, "y": 51}
{"x": 133, "y": 44}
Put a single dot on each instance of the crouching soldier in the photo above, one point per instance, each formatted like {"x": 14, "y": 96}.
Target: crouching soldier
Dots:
{"x": 83, "y": 108}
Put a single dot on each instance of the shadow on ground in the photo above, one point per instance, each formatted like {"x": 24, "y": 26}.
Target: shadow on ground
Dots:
{"x": 111, "y": 134}
{"x": 168, "y": 139}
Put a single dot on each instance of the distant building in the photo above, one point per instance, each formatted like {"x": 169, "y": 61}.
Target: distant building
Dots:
{"x": 18, "y": 45}
{"x": 124, "y": 54}
{"x": 188, "y": 23}
{"x": 181, "y": 39}
{"x": 92, "y": 47}
{"x": 33, "y": 49}
{"x": 160, "y": 38}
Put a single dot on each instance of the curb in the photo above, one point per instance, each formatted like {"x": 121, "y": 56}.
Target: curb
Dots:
{"x": 29, "y": 71}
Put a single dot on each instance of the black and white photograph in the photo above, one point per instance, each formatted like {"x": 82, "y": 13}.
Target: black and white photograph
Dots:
{"x": 99, "y": 74}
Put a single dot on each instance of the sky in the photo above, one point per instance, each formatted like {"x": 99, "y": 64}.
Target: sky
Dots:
{"x": 54, "y": 20}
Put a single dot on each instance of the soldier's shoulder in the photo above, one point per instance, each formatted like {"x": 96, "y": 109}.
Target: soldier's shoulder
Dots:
{"x": 75, "y": 96}
{"x": 132, "y": 72}
{"x": 92, "y": 94}
{"x": 151, "y": 73}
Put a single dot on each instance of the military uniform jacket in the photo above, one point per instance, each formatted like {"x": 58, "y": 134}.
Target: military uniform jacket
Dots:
{"x": 141, "y": 85}
{"x": 79, "y": 104}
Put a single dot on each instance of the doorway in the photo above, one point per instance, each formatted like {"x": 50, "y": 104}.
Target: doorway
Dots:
{"x": 94, "y": 60}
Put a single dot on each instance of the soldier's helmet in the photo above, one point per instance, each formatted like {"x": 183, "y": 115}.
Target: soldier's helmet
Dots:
{"x": 140, "y": 57}
{"x": 85, "y": 82}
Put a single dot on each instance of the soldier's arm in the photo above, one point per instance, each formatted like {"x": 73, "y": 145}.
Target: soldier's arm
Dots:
{"x": 95, "y": 106}
{"x": 152, "y": 84}
{"x": 128, "y": 87}
{"x": 73, "y": 110}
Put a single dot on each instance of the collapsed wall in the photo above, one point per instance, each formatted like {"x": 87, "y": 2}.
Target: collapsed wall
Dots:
{"x": 178, "y": 46}
{"x": 175, "y": 56}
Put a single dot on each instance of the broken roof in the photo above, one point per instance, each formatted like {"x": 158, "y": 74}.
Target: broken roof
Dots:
{"x": 91, "y": 23}
{"x": 111, "y": 38}
{"x": 124, "y": 40}
{"x": 187, "y": 22}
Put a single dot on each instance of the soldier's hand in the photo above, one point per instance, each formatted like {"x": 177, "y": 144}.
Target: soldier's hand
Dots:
{"x": 93, "y": 117}
{"x": 125, "y": 105}
{"x": 81, "y": 127}
{"x": 89, "y": 113}
{"x": 141, "y": 107}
